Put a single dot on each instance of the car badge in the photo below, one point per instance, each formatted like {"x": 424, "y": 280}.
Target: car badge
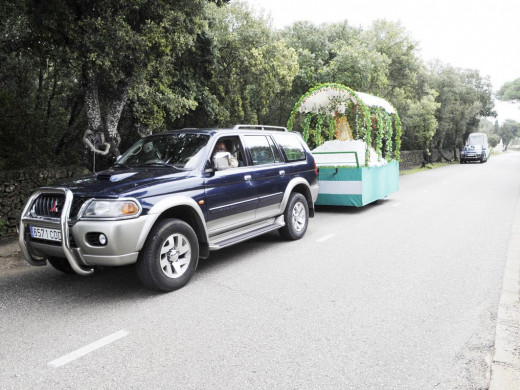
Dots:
{"x": 54, "y": 208}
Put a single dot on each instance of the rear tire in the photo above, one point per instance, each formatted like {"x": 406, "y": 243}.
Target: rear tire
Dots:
{"x": 296, "y": 217}
{"x": 169, "y": 257}
{"x": 61, "y": 265}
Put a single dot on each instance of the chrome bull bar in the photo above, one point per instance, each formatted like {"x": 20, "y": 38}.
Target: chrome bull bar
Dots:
{"x": 63, "y": 225}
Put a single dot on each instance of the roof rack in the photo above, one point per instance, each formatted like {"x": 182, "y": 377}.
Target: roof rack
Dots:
{"x": 259, "y": 127}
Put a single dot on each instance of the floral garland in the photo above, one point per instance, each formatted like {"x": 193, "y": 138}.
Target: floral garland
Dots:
{"x": 332, "y": 127}
{"x": 388, "y": 135}
{"x": 319, "y": 127}
{"x": 366, "y": 119}
{"x": 377, "y": 125}
{"x": 306, "y": 127}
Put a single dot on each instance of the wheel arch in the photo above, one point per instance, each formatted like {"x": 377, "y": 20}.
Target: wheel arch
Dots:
{"x": 188, "y": 215}
{"x": 301, "y": 186}
{"x": 184, "y": 209}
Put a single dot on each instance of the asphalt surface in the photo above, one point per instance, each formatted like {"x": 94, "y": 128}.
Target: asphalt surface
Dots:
{"x": 402, "y": 294}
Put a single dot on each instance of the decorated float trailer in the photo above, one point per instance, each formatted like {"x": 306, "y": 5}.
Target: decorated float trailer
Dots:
{"x": 355, "y": 139}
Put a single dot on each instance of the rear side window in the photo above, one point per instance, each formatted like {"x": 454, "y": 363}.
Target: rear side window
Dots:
{"x": 291, "y": 147}
{"x": 260, "y": 149}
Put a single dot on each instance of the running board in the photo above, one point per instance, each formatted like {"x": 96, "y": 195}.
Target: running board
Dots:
{"x": 228, "y": 241}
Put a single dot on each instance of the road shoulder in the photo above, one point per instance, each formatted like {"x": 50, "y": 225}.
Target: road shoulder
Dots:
{"x": 505, "y": 369}
{"x": 11, "y": 257}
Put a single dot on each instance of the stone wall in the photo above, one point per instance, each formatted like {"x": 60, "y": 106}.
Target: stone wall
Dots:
{"x": 16, "y": 186}
{"x": 414, "y": 158}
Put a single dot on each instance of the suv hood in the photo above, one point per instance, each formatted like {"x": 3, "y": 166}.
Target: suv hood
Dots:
{"x": 116, "y": 182}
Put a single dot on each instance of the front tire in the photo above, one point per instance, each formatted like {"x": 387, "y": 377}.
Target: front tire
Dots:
{"x": 169, "y": 257}
{"x": 296, "y": 217}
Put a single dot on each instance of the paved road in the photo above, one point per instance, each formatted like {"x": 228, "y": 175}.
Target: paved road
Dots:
{"x": 398, "y": 295}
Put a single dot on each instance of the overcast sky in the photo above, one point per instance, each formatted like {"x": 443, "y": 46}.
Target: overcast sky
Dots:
{"x": 476, "y": 34}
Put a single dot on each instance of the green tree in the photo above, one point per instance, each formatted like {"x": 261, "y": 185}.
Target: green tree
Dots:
{"x": 464, "y": 96}
{"x": 38, "y": 93}
{"x": 393, "y": 41}
{"x": 494, "y": 140}
{"x": 253, "y": 66}
{"x": 421, "y": 122}
{"x": 317, "y": 47}
{"x": 486, "y": 126}
{"x": 510, "y": 90}
{"x": 508, "y": 131}
{"x": 358, "y": 67}
{"x": 122, "y": 51}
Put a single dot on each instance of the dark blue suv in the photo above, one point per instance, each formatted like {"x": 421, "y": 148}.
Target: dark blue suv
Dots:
{"x": 170, "y": 200}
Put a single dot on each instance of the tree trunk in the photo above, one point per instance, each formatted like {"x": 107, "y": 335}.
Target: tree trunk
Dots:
{"x": 114, "y": 114}
{"x": 102, "y": 138}
{"x": 442, "y": 155}
{"x": 92, "y": 103}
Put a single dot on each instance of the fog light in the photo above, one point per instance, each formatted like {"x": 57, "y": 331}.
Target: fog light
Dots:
{"x": 102, "y": 239}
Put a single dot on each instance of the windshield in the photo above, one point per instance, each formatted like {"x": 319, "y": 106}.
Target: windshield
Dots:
{"x": 476, "y": 139}
{"x": 177, "y": 150}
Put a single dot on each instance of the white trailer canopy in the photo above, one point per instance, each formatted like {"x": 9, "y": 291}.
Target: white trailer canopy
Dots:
{"x": 329, "y": 100}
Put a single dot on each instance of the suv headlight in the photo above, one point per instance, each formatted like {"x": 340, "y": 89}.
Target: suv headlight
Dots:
{"x": 108, "y": 208}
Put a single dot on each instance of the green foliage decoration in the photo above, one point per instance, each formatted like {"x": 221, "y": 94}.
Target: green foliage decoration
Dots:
{"x": 332, "y": 128}
{"x": 319, "y": 128}
{"x": 368, "y": 120}
{"x": 306, "y": 127}
{"x": 388, "y": 135}
{"x": 377, "y": 126}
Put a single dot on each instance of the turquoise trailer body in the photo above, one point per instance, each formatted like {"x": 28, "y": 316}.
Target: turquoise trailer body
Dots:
{"x": 357, "y": 186}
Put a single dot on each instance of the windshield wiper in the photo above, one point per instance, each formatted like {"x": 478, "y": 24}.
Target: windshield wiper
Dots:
{"x": 158, "y": 164}
{"x": 119, "y": 165}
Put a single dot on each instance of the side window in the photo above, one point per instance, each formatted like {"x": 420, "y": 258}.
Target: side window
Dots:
{"x": 260, "y": 149}
{"x": 291, "y": 147}
{"x": 276, "y": 152}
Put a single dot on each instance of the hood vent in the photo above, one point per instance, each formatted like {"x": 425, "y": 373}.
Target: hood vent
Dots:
{"x": 113, "y": 176}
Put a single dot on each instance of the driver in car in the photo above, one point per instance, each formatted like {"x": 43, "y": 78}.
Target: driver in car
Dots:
{"x": 220, "y": 147}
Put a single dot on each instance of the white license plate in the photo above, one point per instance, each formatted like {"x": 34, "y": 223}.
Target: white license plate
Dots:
{"x": 45, "y": 234}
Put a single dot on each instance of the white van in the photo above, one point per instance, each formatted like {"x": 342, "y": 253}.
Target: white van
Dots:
{"x": 476, "y": 148}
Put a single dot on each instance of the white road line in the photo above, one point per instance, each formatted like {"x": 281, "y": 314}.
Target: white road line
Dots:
{"x": 88, "y": 348}
{"x": 325, "y": 238}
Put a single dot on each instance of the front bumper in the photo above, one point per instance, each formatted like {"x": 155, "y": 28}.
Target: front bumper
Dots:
{"x": 471, "y": 156}
{"x": 124, "y": 238}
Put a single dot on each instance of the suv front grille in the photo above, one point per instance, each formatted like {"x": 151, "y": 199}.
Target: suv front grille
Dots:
{"x": 49, "y": 205}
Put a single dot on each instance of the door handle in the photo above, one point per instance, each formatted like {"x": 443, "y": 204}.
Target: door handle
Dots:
{"x": 282, "y": 172}
{"x": 247, "y": 177}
